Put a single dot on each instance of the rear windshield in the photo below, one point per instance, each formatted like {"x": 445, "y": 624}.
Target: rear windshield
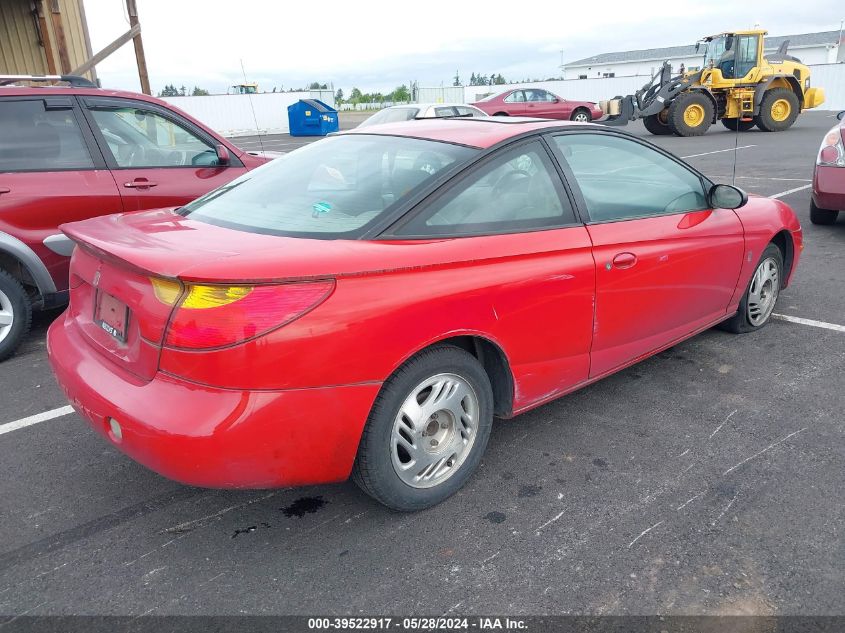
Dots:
{"x": 333, "y": 188}
{"x": 391, "y": 115}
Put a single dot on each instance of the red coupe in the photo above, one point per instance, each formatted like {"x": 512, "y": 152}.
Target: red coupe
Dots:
{"x": 368, "y": 303}
{"x": 829, "y": 176}
{"x": 535, "y": 102}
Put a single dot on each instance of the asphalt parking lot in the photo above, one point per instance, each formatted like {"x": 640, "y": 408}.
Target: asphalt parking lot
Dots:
{"x": 705, "y": 480}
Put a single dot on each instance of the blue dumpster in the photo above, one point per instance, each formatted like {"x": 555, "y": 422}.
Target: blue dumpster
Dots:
{"x": 312, "y": 117}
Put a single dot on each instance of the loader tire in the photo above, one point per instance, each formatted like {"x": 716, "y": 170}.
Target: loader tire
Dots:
{"x": 656, "y": 124}
{"x": 738, "y": 125}
{"x": 778, "y": 110}
{"x": 690, "y": 114}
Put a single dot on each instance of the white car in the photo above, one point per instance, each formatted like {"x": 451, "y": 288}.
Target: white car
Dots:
{"x": 394, "y": 114}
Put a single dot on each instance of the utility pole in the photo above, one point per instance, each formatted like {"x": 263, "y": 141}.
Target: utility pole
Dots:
{"x": 132, "y": 9}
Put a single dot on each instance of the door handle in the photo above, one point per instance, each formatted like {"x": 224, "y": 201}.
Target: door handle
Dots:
{"x": 4, "y": 190}
{"x": 624, "y": 260}
{"x": 140, "y": 183}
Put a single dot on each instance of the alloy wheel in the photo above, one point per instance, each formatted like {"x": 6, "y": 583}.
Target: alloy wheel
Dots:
{"x": 7, "y": 316}
{"x": 763, "y": 292}
{"x": 434, "y": 431}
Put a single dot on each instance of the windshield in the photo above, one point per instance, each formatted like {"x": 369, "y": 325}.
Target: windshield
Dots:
{"x": 715, "y": 49}
{"x": 333, "y": 188}
{"x": 391, "y": 115}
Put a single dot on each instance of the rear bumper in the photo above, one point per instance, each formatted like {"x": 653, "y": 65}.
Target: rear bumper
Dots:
{"x": 829, "y": 187}
{"x": 212, "y": 437}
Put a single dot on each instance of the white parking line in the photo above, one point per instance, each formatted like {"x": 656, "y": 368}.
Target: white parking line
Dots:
{"x": 719, "y": 151}
{"x": 810, "y": 322}
{"x": 789, "y": 191}
{"x": 35, "y": 419}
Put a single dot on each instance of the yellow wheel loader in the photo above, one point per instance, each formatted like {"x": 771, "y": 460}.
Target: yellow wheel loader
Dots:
{"x": 737, "y": 85}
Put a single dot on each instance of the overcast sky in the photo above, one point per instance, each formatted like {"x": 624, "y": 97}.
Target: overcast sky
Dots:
{"x": 378, "y": 45}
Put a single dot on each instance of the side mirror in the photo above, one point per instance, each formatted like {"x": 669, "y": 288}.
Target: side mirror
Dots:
{"x": 726, "y": 197}
{"x": 222, "y": 155}
{"x": 841, "y": 115}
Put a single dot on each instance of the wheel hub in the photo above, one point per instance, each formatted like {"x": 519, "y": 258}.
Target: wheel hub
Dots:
{"x": 434, "y": 430}
{"x": 763, "y": 292}
{"x": 7, "y": 316}
{"x": 694, "y": 115}
{"x": 781, "y": 110}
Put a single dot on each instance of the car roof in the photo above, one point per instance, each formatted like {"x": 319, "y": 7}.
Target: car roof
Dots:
{"x": 30, "y": 91}
{"x": 473, "y": 132}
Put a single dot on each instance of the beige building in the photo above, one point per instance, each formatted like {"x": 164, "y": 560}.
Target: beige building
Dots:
{"x": 43, "y": 37}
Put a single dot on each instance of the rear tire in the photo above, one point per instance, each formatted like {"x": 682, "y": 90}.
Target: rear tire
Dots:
{"x": 581, "y": 115}
{"x": 691, "y": 114}
{"x": 427, "y": 430}
{"x": 15, "y": 314}
{"x": 655, "y": 124}
{"x": 758, "y": 302}
{"x": 822, "y": 216}
{"x": 778, "y": 110}
{"x": 738, "y": 125}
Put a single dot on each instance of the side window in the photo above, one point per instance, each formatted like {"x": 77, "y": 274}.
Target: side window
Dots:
{"x": 143, "y": 138}
{"x": 517, "y": 96}
{"x": 550, "y": 97}
{"x": 444, "y": 111}
{"x": 517, "y": 190}
{"x": 33, "y": 138}
{"x": 622, "y": 179}
{"x": 464, "y": 111}
{"x": 746, "y": 55}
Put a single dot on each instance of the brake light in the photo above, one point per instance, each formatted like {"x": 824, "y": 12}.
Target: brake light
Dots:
{"x": 211, "y": 316}
{"x": 832, "y": 151}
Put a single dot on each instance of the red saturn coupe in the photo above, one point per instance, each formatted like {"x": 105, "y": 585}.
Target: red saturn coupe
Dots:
{"x": 367, "y": 304}
{"x": 829, "y": 176}
{"x": 535, "y": 102}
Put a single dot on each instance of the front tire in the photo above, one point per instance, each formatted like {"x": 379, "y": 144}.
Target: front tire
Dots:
{"x": 581, "y": 115}
{"x": 758, "y": 302}
{"x": 778, "y": 110}
{"x": 657, "y": 125}
{"x": 427, "y": 430}
{"x": 15, "y": 314}
{"x": 822, "y": 216}
{"x": 690, "y": 114}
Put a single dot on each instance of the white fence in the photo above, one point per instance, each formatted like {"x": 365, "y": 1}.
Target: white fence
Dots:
{"x": 831, "y": 77}
{"x": 235, "y": 115}
{"x": 239, "y": 115}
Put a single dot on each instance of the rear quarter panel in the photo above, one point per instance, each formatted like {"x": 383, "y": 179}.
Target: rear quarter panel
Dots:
{"x": 531, "y": 294}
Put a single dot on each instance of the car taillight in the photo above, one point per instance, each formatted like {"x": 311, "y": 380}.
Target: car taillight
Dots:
{"x": 832, "y": 151}
{"x": 211, "y": 316}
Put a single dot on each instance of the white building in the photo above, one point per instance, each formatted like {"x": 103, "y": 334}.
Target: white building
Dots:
{"x": 810, "y": 48}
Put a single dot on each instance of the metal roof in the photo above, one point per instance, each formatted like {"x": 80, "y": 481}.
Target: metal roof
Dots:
{"x": 671, "y": 52}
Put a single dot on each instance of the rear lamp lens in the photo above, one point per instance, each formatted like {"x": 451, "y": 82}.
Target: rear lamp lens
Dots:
{"x": 209, "y": 316}
{"x": 829, "y": 154}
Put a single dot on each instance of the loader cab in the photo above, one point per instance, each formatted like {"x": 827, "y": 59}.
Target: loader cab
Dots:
{"x": 735, "y": 55}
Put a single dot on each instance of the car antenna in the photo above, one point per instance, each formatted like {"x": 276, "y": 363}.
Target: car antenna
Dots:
{"x": 252, "y": 107}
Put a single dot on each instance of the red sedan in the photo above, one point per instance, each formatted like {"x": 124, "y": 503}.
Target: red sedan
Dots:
{"x": 535, "y": 102}
{"x": 829, "y": 176}
{"x": 368, "y": 303}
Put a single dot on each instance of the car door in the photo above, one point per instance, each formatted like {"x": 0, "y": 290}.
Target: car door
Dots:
{"x": 529, "y": 268}
{"x": 515, "y": 103}
{"x": 159, "y": 159}
{"x": 51, "y": 172}
{"x": 666, "y": 264}
{"x": 542, "y": 104}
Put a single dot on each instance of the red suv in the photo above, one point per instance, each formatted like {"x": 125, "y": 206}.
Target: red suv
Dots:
{"x": 76, "y": 151}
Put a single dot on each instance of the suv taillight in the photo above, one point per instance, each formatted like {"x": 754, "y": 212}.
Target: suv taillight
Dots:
{"x": 832, "y": 151}
{"x": 213, "y": 316}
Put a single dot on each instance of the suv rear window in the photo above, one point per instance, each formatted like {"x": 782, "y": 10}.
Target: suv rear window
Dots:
{"x": 35, "y": 139}
{"x": 335, "y": 187}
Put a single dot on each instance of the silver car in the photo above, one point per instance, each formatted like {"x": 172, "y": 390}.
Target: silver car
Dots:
{"x": 397, "y": 113}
